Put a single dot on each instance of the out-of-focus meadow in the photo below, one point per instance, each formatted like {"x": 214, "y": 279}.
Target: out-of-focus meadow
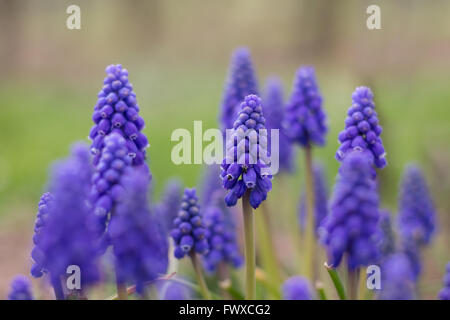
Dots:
{"x": 177, "y": 53}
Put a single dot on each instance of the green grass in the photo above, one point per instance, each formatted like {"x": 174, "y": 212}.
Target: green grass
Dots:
{"x": 39, "y": 121}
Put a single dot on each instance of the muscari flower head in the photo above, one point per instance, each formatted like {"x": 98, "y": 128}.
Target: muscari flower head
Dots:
{"x": 416, "y": 217}
{"x": 362, "y": 130}
{"x": 414, "y": 255}
{"x": 320, "y": 199}
{"x": 274, "y": 113}
{"x": 296, "y": 288}
{"x": 41, "y": 220}
{"x": 107, "y": 187}
{"x": 444, "y": 294}
{"x": 397, "y": 278}
{"x": 241, "y": 82}
{"x": 245, "y": 166}
{"x": 221, "y": 236}
{"x": 170, "y": 202}
{"x": 306, "y": 121}
{"x": 189, "y": 232}
{"x": 20, "y": 289}
{"x": 211, "y": 187}
{"x": 352, "y": 226}
{"x": 116, "y": 110}
{"x": 67, "y": 236}
{"x": 386, "y": 237}
{"x": 139, "y": 244}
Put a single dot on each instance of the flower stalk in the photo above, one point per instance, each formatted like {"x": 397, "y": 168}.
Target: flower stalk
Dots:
{"x": 250, "y": 259}
{"x": 310, "y": 244}
{"x": 199, "y": 275}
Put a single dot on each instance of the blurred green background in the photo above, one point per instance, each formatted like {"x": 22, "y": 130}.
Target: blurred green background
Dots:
{"x": 177, "y": 53}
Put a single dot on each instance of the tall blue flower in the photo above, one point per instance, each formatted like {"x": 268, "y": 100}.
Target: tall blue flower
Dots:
{"x": 274, "y": 112}
{"x": 444, "y": 294}
{"x": 67, "y": 237}
{"x": 189, "y": 232}
{"x": 386, "y": 237}
{"x": 116, "y": 110}
{"x": 20, "y": 289}
{"x": 362, "y": 130}
{"x": 397, "y": 279}
{"x": 416, "y": 217}
{"x": 297, "y": 288}
{"x": 139, "y": 244}
{"x": 320, "y": 199}
{"x": 221, "y": 236}
{"x": 352, "y": 226}
{"x": 245, "y": 166}
{"x": 211, "y": 187}
{"x": 306, "y": 121}
{"x": 241, "y": 82}
{"x": 41, "y": 221}
{"x": 170, "y": 202}
{"x": 107, "y": 187}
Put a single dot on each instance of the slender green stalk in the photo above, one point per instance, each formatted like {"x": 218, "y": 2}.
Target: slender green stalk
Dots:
{"x": 266, "y": 246}
{"x": 362, "y": 284}
{"x": 336, "y": 281}
{"x": 352, "y": 283}
{"x": 250, "y": 259}
{"x": 231, "y": 292}
{"x": 200, "y": 278}
{"x": 310, "y": 261}
{"x": 321, "y": 291}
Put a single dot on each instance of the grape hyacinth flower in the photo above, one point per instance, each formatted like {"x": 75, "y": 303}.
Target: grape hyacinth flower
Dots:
{"x": 172, "y": 290}
{"x": 20, "y": 289}
{"x": 245, "y": 167}
{"x": 444, "y": 294}
{"x": 117, "y": 110}
{"x": 221, "y": 236}
{"x": 67, "y": 237}
{"x": 416, "y": 217}
{"x": 167, "y": 209}
{"x": 306, "y": 124}
{"x": 386, "y": 237}
{"x": 397, "y": 278}
{"x": 352, "y": 226}
{"x": 274, "y": 112}
{"x": 139, "y": 244}
{"x": 362, "y": 129}
{"x": 320, "y": 198}
{"x": 211, "y": 187}
{"x": 37, "y": 270}
{"x": 297, "y": 288}
{"x": 107, "y": 189}
{"x": 189, "y": 235}
{"x": 241, "y": 82}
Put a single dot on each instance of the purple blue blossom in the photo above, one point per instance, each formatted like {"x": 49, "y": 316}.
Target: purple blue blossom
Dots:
{"x": 320, "y": 199}
{"x": 297, "y": 288}
{"x": 352, "y": 226}
{"x": 362, "y": 129}
{"x": 173, "y": 290}
{"x": 386, "y": 237}
{"x": 211, "y": 186}
{"x": 444, "y": 294}
{"x": 139, "y": 244}
{"x": 67, "y": 236}
{"x": 397, "y": 279}
{"x": 222, "y": 242}
{"x": 306, "y": 121}
{"x": 189, "y": 234}
{"x": 41, "y": 220}
{"x": 20, "y": 289}
{"x": 107, "y": 189}
{"x": 241, "y": 82}
{"x": 245, "y": 166}
{"x": 274, "y": 112}
{"x": 416, "y": 217}
{"x": 117, "y": 110}
{"x": 170, "y": 202}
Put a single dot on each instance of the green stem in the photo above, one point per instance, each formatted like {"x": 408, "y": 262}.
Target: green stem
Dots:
{"x": 362, "y": 284}
{"x": 200, "y": 278}
{"x": 249, "y": 236}
{"x": 310, "y": 261}
{"x": 266, "y": 246}
{"x": 336, "y": 281}
{"x": 321, "y": 291}
{"x": 352, "y": 284}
